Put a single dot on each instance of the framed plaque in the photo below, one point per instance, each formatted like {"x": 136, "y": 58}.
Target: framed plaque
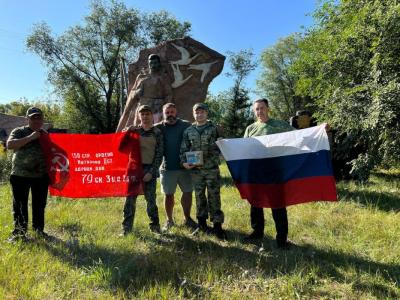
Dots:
{"x": 194, "y": 158}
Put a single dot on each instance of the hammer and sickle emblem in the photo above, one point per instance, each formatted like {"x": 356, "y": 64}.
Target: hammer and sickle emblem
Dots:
{"x": 61, "y": 162}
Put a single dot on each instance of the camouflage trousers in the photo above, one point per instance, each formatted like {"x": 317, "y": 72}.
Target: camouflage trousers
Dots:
{"x": 211, "y": 205}
{"x": 152, "y": 209}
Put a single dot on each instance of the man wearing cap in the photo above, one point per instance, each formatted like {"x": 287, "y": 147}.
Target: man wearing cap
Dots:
{"x": 263, "y": 126}
{"x": 172, "y": 172}
{"x": 199, "y": 153}
{"x": 28, "y": 172}
{"x": 303, "y": 119}
{"x": 151, "y": 147}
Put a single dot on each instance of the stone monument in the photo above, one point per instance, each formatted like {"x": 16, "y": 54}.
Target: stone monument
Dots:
{"x": 186, "y": 69}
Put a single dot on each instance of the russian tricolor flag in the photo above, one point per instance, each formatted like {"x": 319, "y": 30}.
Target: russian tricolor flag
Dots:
{"x": 282, "y": 169}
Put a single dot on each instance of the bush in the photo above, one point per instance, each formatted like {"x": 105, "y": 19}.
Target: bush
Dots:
{"x": 5, "y": 164}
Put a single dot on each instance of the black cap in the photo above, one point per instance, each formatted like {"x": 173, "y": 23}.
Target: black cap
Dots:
{"x": 33, "y": 111}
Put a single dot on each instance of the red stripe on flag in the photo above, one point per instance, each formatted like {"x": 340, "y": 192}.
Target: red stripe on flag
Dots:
{"x": 295, "y": 191}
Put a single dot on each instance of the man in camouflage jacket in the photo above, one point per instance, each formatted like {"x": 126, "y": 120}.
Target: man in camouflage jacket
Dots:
{"x": 201, "y": 136}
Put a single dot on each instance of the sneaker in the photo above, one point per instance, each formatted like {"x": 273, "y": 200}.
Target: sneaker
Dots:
{"x": 190, "y": 223}
{"x": 124, "y": 233}
{"x": 168, "y": 226}
{"x": 17, "y": 237}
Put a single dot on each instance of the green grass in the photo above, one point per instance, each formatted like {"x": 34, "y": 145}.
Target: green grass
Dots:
{"x": 345, "y": 250}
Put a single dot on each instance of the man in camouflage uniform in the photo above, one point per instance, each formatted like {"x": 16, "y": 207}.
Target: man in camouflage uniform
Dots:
{"x": 28, "y": 172}
{"x": 201, "y": 136}
{"x": 151, "y": 146}
{"x": 263, "y": 126}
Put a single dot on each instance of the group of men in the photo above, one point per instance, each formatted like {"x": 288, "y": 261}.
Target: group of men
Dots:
{"x": 164, "y": 144}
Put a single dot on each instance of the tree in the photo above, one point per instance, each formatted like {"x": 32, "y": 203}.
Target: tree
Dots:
{"x": 277, "y": 81}
{"x": 84, "y": 60}
{"x": 237, "y": 114}
{"x": 349, "y": 65}
{"x": 161, "y": 26}
{"x": 19, "y": 107}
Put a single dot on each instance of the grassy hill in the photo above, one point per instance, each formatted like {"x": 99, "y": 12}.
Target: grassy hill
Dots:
{"x": 349, "y": 249}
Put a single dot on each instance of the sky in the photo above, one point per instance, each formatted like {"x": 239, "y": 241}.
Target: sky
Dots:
{"x": 223, "y": 25}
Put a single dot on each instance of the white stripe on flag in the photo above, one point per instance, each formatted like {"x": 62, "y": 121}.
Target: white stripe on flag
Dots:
{"x": 308, "y": 140}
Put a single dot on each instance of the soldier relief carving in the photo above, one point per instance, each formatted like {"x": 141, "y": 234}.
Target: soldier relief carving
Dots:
{"x": 178, "y": 71}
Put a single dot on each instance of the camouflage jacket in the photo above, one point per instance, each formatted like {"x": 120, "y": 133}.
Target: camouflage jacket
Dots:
{"x": 201, "y": 138}
{"x": 29, "y": 160}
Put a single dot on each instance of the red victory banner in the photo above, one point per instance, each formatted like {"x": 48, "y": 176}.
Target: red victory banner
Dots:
{"x": 93, "y": 165}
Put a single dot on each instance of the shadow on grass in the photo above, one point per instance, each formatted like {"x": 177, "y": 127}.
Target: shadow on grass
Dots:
{"x": 388, "y": 176}
{"x": 175, "y": 260}
{"x": 381, "y": 200}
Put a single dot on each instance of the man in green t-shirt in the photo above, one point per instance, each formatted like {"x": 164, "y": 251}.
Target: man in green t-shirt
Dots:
{"x": 263, "y": 126}
{"x": 28, "y": 172}
{"x": 172, "y": 172}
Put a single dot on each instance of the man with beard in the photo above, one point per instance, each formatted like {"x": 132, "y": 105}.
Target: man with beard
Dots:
{"x": 172, "y": 173}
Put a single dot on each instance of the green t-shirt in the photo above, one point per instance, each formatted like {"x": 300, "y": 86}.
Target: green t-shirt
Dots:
{"x": 172, "y": 143}
{"x": 270, "y": 127}
{"x": 29, "y": 160}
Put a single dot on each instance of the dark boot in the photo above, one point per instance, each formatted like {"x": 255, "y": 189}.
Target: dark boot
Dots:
{"x": 219, "y": 232}
{"x": 202, "y": 226}
{"x": 155, "y": 225}
{"x": 155, "y": 228}
{"x": 254, "y": 237}
{"x": 281, "y": 224}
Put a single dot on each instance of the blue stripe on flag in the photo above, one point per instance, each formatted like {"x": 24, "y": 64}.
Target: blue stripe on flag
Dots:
{"x": 281, "y": 169}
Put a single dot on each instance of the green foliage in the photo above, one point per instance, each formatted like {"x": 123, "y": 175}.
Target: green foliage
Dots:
{"x": 237, "y": 113}
{"x": 16, "y": 108}
{"x": 345, "y": 250}
{"x": 162, "y": 26}
{"x": 278, "y": 82}
{"x": 5, "y": 163}
{"x": 349, "y": 65}
{"x": 217, "y": 105}
{"x": 83, "y": 63}
{"x": 51, "y": 111}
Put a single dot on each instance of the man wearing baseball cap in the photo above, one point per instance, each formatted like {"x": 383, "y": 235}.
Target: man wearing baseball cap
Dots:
{"x": 28, "y": 172}
{"x": 199, "y": 153}
{"x": 151, "y": 149}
